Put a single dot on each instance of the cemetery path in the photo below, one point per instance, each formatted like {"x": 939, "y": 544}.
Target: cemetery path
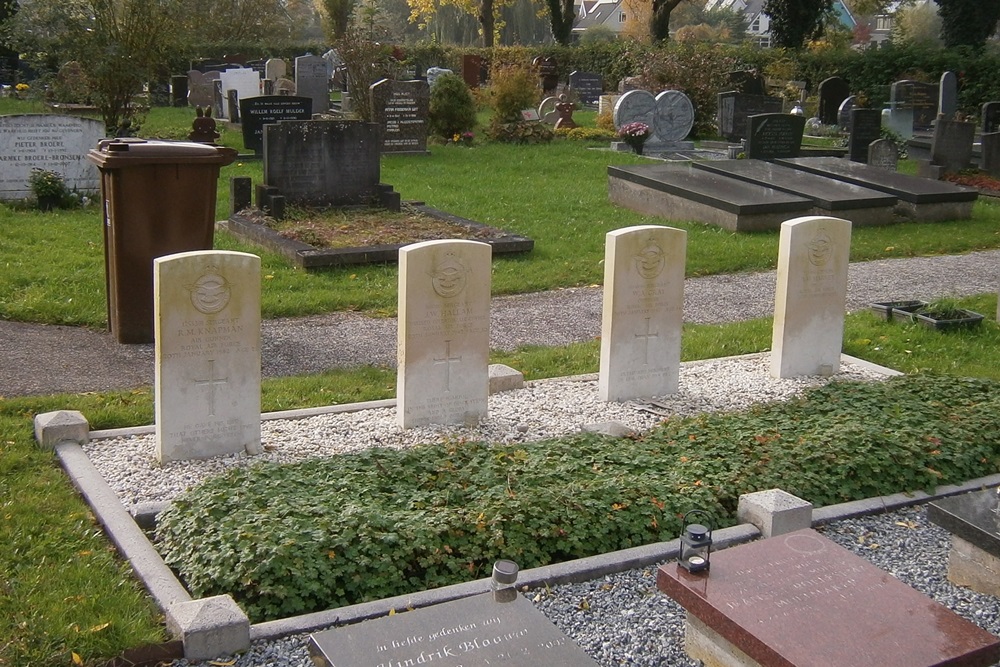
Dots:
{"x": 44, "y": 359}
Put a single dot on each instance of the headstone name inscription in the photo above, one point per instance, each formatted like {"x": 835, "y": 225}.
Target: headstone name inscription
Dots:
{"x": 588, "y": 86}
{"x": 921, "y": 97}
{"x": 257, "y": 112}
{"x": 774, "y": 135}
{"x": 401, "y": 109}
{"x": 51, "y": 142}
{"x": 735, "y": 108}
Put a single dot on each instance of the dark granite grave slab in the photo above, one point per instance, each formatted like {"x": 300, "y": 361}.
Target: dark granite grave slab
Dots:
{"x": 774, "y": 135}
{"x": 257, "y": 112}
{"x": 866, "y": 127}
{"x": 903, "y": 186}
{"x": 972, "y": 516}
{"x": 801, "y": 600}
{"x": 678, "y": 192}
{"x": 826, "y": 193}
{"x": 471, "y": 632}
{"x": 307, "y": 257}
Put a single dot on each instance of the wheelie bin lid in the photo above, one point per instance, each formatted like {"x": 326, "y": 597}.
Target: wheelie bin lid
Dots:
{"x": 114, "y": 153}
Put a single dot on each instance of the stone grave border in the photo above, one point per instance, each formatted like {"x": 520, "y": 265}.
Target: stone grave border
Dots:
{"x": 305, "y": 256}
{"x": 65, "y": 433}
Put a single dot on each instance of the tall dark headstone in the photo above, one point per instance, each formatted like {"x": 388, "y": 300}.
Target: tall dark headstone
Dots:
{"x": 921, "y": 97}
{"x": 948, "y": 95}
{"x": 548, "y": 72}
{"x": 471, "y": 65}
{"x": 990, "y": 161}
{"x": 951, "y": 147}
{"x": 866, "y": 127}
{"x": 401, "y": 109}
{"x": 323, "y": 162}
{"x": 991, "y": 117}
{"x": 257, "y": 112}
{"x": 178, "y": 90}
{"x": 588, "y": 86}
{"x": 734, "y": 109}
{"x": 774, "y": 135}
{"x": 832, "y": 93}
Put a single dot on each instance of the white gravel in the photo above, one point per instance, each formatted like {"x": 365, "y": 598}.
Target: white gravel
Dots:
{"x": 543, "y": 409}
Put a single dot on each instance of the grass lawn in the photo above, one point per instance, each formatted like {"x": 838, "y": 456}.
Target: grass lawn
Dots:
{"x": 62, "y": 588}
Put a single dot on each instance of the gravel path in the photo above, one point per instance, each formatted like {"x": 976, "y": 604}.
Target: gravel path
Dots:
{"x": 39, "y": 359}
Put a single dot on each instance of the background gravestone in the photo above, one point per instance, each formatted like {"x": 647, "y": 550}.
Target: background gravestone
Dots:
{"x": 866, "y": 127}
{"x": 47, "y": 141}
{"x": 245, "y": 81}
{"x": 311, "y": 81}
{"x": 948, "y": 95}
{"x": 735, "y": 108}
{"x": 323, "y": 162}
{"x": 921, "y": 97}
{"x": 401, "y": 109}
{"x": 844, "y": 112}
{"x": 635, "y": 106}
{"x": 201, "y": 88}
{"x": 548, "y": 73}
{"x": 471, "y": 65}
{"x": 257, "y": 112}
{"x": 883, "y": 154}
{"x": 991, "y": 117}
{"x": 178, "y": 90}
{"x": 990, "y": 160}
{"x": 951, "y": 147}
{"x": 275, "y": 68}
{"x": 775, "y": 135}
{"x": 588, "y": 87}
{"x": 832, "y": 93}
{"x": 673, "y": 118}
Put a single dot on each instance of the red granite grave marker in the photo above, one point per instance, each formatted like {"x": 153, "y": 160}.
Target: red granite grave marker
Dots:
{"x": 800, "y": 599}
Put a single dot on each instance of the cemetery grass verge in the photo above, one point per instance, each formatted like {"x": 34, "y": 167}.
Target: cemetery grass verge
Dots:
{"x": 554, "y": 194}
{"x": 53, "y": 595}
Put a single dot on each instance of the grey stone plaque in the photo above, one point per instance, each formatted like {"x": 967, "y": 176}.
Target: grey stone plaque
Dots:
{"x": 948, "y": 95}
{"x": 951, "y": 146}
{"x": 775, "y": 135}
{"x": 471, "y": 632}
{"x": 401, "y": 109}
{"x": 635, "y": 106}
{"x": 311, "y": 81}
{"x": 257, "y": 112}
{"x": 883, "y": 154}
{"x": 588, "y": 85}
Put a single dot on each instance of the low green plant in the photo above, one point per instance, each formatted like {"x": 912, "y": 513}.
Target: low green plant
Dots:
{"x": 48, "y": 184}
{"x": 452, "y": 109}
{"x": 289, "y": 539}
{"x": 520, "y": 132}
{"x": 586, "y": 134}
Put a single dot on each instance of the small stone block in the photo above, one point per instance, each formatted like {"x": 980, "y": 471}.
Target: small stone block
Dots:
{"x": 51, "y": 428}
{"x": 774, "y": 512}
{"x": 504, "y": 378}
{"x": 971, "y": 567}
{"x": 927, "y": 170}
{"x": 144, "y": 514}
{"x": 210, "y": 627}
{"x": 613, "y": 429}
{"x": 240, "y": 193}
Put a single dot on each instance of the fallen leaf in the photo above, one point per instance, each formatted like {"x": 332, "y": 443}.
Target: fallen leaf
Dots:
{"x": 98, "y": 628}
{"x": 77, "y": 660}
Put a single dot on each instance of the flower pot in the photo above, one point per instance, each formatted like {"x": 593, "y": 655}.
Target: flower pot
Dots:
{"x": 885, "y": 309}
{"x": 958, "y": 318}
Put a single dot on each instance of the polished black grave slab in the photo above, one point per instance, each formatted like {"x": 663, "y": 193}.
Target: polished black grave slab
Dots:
{"x": 471, "y": 632}
{"x": 826, "y": 193}
{"x": 975, "y": 517}
{"x": 907, "y": 188}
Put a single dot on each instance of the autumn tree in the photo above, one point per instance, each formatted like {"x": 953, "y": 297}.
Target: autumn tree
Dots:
{"x": 795, "y": 21}
{"x": 487, "y": 12}
{"x": 968, "y": 22}
{"x": 338, "y": 16}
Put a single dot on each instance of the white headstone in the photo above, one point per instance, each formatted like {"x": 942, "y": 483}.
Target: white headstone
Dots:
{"x": 311, "y": 81}
{"x": 444, "y": 333}
{"x": 809, "y": 305}
{"x": 643, "y": 312}
{"x": 245, "y": 81}
{"x": 51, "y": 142}
{"x": 207, "y": 330}
{"x": 275, "y": 68}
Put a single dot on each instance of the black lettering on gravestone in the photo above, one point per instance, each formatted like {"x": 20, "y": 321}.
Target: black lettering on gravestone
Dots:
{"x": 883, "y": 154}
{"x": 323, "y": 162}
{"x": 178, "y": 90}
{"x": 775, "y": 135}
{"x": 991, "y": 117}
{"x": 866, "y": 127}
{"x": 400, "y": 109}
{"x": 588, "y": 86}
{"x": 990, "y": 160}
{"x": 747, "y": 82}
{"x": 919, "y": 96}
{"x": 844, "y": 112}
{"x": 951, "y": 147}
{"x": 257, "y": 112}
{"x": 832, "y": 92}
{"x": 472, "y": 632}
{"x": 735, "y": 108}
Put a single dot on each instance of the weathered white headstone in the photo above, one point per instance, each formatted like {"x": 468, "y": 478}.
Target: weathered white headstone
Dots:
{"x": 643, "y": 312}
{"x": 275, "y": 68}
{"x": 51, "y": 142}
{"x": 312, "y": 81}
{"x": 444, "y": 333}
{"x": 207, "y": 331}
{"x": 809, "y": 305}
{"x": 245, "y": 81}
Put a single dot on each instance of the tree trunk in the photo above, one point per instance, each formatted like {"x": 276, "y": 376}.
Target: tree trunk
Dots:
{"x": 487, "y": 21}
{"x": 659, "y": 22}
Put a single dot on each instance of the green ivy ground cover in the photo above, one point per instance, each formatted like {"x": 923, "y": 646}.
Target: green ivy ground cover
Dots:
{"x": 291, "y": 539}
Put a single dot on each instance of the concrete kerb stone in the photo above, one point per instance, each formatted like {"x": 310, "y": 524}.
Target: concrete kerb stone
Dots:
{"x": 774, "y": 512}
{"x": 51, "y": 428}
{"x": 504, "y": 378}
{"x": 209, "y": 627}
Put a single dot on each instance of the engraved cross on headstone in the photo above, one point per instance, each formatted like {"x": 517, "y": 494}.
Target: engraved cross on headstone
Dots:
{"x": 448, "y": 360}
{"x": 211, "y": 382}
{"x": 645, "y": 339}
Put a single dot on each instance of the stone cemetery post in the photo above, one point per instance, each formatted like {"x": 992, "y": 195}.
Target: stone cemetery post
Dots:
{"x": 643, "y": 312}
{"x": 809, "y": 305}
{"x": 207, "y": 354}
{"x": 444, "y": 333}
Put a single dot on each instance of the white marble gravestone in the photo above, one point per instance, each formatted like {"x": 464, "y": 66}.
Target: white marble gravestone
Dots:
{"x": 809, "y": 304}
{"x": 444, "y": 333}
{"x": 51, "y": 142}
{"x": 643, "y": 312}
{"x": 207, "y": 357}
{"x": 245, "y": 81}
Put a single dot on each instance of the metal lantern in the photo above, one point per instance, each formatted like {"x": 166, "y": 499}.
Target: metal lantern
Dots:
{"x": 696, "y": 544}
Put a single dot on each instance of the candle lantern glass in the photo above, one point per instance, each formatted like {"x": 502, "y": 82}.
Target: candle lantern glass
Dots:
{"x": 696, "y": 545}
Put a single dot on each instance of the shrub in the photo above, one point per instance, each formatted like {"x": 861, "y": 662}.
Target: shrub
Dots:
{"x": 521, "y": 132}
{"x": 452, "y": 110}
{"x": 512, "y": 88}
{"x": 586, "y": 134}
